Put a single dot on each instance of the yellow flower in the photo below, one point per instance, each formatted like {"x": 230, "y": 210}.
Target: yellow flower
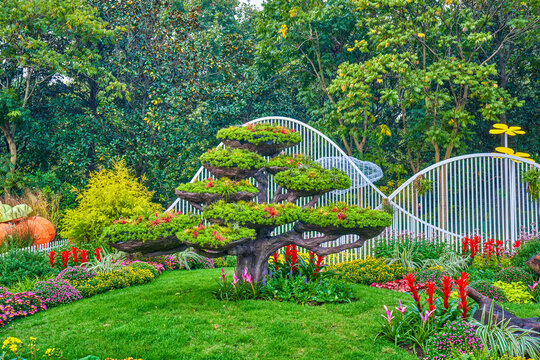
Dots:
{"x": 10, "y": 341}
{"x": 421, "y": 35}
{"x": 379, "y": 81}
{"x": 283, "y": 31}
{"x": 293, "y": 12}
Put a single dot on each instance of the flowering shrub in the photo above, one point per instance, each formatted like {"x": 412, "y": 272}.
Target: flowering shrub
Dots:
{"x": 214, "y": 234}
{"x": 489, "y": 290}
{"x": 56, "y": 291}
{"x": 144, "y": 265}
{"x": 288, "y": 161}
{"x": 313, "y": 179}
{"x": 344, "y": 215}
{"x": 514, "y": 274}
{"x": 368, "y": 271}
{"x": 75, "y": 273}
{"x": 493, "y": 263}
{"x": 17, "y": 305}
{"x": 457, "y": 336}
{"x": 118, "y": 279}
{"x": 399, "y": 285}
{"x": 155, "y": 267}
{"x": 419, "y": 322}
{"x": 243, "y": 213}
{"x": 297, "y": 264}
{"x": 515, "y": 292}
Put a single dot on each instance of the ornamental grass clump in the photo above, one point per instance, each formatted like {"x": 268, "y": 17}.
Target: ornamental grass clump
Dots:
{"x": 55, "y": 292}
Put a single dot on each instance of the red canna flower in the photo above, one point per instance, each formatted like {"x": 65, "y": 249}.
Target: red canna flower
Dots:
{"x": 65, "y": 258}
{"x": 430, "y": 300}
{"x": 52, "y": 256}
{"x": 412, "y": 289}
{"x": 97, "y": 252}
{"x": 318, "y": 264}
{"x": 75, "y": 256}
{"x": 462, "y": 283}
{"x": 276, "y": 259}
{"x": 84, "y": 256}
{"x": 294, "y": 256}
{"x": 446, "y": 290}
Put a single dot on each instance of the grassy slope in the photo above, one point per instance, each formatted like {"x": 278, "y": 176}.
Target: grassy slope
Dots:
{"x": 176, "y": 317}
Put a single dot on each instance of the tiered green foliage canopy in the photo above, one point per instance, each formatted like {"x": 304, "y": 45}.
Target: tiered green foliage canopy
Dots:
{"x": 243, "y": 227}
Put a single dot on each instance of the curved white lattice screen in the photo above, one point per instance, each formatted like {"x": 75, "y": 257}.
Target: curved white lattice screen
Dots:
{"x": 446, "y": 201}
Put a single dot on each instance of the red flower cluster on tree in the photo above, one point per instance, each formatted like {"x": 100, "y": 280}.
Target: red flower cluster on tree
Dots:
{"x": 410, "y": 278}
{"x": 341, "y": 216}
{"x": 209, "y": 183}
{"x": 271, "y": 211}
{"x": 462, "y": 283}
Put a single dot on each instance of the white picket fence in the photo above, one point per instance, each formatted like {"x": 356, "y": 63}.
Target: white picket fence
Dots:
{"x": 43, "y": 247}
{"x": 473, "y": 193}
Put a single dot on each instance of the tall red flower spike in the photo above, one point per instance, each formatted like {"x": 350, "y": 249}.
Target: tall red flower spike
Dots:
{"x": 412, "y": 289}
{"x": 446, "y": 290}
{"x": 52, "y": 256}
{"x": 462, "y": 283}
{"x": 431, "y": 290}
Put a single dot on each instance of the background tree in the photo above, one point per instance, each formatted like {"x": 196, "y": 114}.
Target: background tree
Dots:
{"x": 244, "y": 228}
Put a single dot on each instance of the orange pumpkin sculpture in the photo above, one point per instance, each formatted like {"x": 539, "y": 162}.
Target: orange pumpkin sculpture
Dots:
{"x": 41, "y": 229}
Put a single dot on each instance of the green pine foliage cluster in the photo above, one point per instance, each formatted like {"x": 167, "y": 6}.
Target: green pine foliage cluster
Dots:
{"x": 161, "y": 226}
{"x": 251, "y": 212}
{"x": 109, "y": 195}
{"x": 314, "y": 178}
{"x": 290, "y": 161}
{"x": 260, "y": 133}
{"x": 214, "y": 235}
{"x": 346, "y": 216}
{"x": 222, "y": 186}
{"x": 239, "y": 158}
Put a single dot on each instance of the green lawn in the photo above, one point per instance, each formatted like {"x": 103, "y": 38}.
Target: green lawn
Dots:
{"x": 176, "y": 317}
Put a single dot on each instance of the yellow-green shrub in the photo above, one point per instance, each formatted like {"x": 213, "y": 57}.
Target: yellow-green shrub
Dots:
{"x": 369, "y": 271}
{"x": 117, "y": 279}
{"x": 110, "y": 194}
{"x": 516, "y": 292}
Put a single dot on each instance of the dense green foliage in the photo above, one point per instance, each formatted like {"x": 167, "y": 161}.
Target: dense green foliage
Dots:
{"x": 288, "y": 161}
{"x": 514, "y": 274}
{"x": 222, "y": 186}
{"x": 527, "y": 250}
{"x": 488, "y": 289}
{"x": 515, "y": 292}
{"x": 260, "y": 133}
{"x": 242, "y": 159}
{"x": 368, "y": 271}
{"x": 345, "y": 216}
{"x": 420, "y": 248}
{"x": 253, "y": 213}
{"x": 109, "y": 195}
{"x": 313, "y": 179}
{"x": 148, "y": 230}
{"x": 18, "y": 265}
{"x": 214, "y": 235}
{"x": 494, "y": 263}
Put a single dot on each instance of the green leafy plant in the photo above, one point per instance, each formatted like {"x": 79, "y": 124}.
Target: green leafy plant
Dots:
{"x": 8, "y": 213}
{"x": 288, "y": 161}
{"x": 494, "y": 263}
{"x": 419, "y": 247}
{"x": 222, "y": 186}
{"x": 238, "y": 158}
{"x": 243, "y": 213}
{"x": 532, "y": 178}
{"x": 313, "y": 179}
{"x": 258, "y": 133}
{"x": 527, "y": 250}
{"x": 109, "y": 195}
{"x": 163, "y": 225}
{"x": 17, "y": 265}
{"x": 503, "y": 338}
{"x": 432, "y": 274}
{"x": 515, "y": 292}
{"x": 514, "y": 274}
{"x": 489, "y": 290}
{"x": 344, "y": 215}
{"x": 422, "y": 185}
{"x": 368, "y": 271}
{"x": 214, "y": 235}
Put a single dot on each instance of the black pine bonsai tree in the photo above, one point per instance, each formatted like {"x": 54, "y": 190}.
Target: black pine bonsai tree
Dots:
{"x": 237, "y": 225}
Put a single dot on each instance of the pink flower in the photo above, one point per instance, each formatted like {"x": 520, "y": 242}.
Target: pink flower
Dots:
{"x": 388, "y": 316}
{"x": 235, "y": 279}
{"x": 401, "y": 308}
{"x": 223, "y": 275}
{"x": 426, "y": 316}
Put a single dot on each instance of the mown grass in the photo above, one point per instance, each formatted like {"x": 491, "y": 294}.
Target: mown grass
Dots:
{"x": 176, "y": 317}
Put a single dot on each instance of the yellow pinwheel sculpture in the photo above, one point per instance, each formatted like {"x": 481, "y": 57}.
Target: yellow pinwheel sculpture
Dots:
{"x": 505, "y": 150}
{"x": 507, "y": 130}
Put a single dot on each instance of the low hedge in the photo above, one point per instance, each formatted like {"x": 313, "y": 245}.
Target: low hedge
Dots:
{"x": 368, "y": 271}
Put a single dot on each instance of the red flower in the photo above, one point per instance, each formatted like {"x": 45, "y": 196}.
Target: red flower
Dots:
{"x": 294, "y": 257}
{"x": 97, "y": 252}
{"x": 75, "y": 257}
{"x": 311, "y": 257}
{"x": 276, "y": 259}
{"x": 412, "y": 289}
{"x": 341, "y": 216}
{"x": 446, "y": 290}
{"x": 335, "y": 209}
{"x": 318, "y": 264}
{"x": 84, "y": 256}
{"x": 517, "y": 244}
{"x": 271, "y": 211}
{"x": 195, "y": 234}
{"x": 65, "y": 258}
{"x": 209, "y": 184}
{"x": 462, "y": 283}
{"x": 465, "y": 243}
{"x": 430, "y": 300}
{"x": 52, "y": 255}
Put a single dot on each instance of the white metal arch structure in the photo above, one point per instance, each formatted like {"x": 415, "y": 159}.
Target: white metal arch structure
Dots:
{"x": 461, "y": 195}
{"x": 466, "y": 194}
{"x": 316, "y": 145}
